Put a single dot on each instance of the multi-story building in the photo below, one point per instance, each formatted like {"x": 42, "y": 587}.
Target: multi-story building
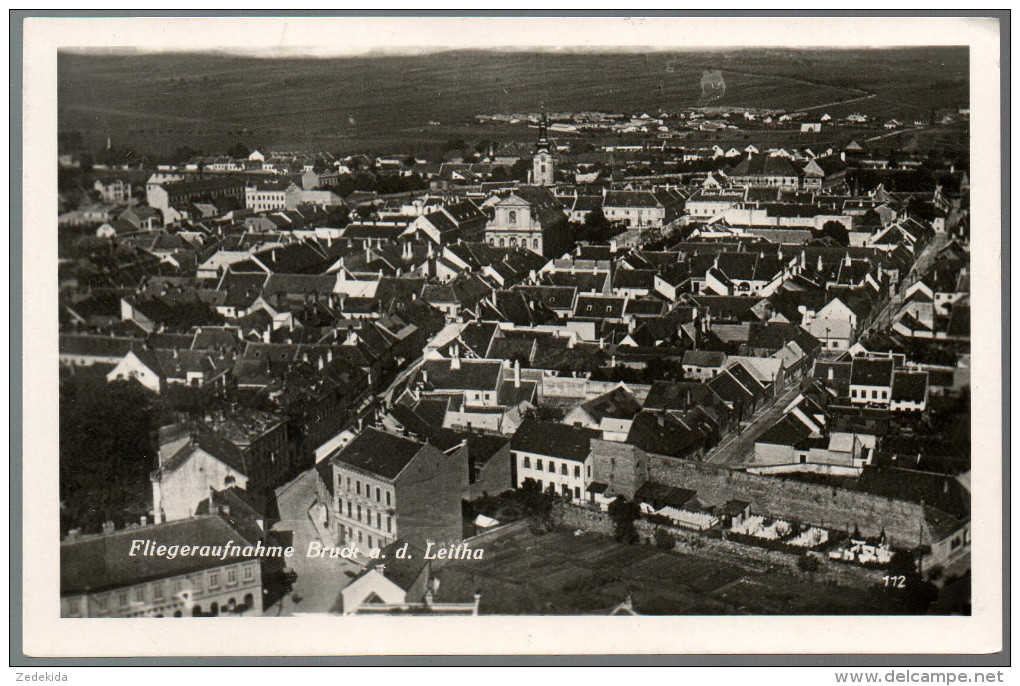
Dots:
{"x": 555, "y": 456}
{"x": 267, "y": 195}
{"x": 381, "y": 486}
{"x": 871, "y": 381}
{"x": 122, "y": 574}
{"x": 532, "y": 218}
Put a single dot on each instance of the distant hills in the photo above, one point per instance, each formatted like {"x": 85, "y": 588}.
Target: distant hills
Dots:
{"x": 208, "y": 101}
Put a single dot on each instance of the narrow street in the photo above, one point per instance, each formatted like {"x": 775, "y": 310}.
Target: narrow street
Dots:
{"x": 319, "y": 580}
{"x": 738, "y": 449}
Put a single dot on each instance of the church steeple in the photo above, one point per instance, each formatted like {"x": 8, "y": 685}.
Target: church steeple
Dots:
{"x": 543, "y": 165}
{"x": 543, "y": 132}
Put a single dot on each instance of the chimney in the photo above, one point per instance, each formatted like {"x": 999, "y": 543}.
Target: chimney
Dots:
{"x": 517, "y": 373}
{"x": 819, "y": 269}
{"x": 831, "y": 374}
{"x": 455, "y": 360}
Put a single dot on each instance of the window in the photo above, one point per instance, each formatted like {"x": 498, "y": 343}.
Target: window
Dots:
{"x": 157, "y": 591}
{"x": 249, "y": 573}
{"x": 348, "y": 483}
{"x": 340, "y": 504}
{"x": 535, "y": 243}
{"x": 565, "y": 490}
{"x": 359, "y": 513}
{"x": 378, "y": 495}
{"x": 577, "y": 492}
{"x": 369, "y": 541}
{"x": 539, "y": 484}
{"x": 563, "y": 469}
{"x": 214, "y": 579}
{"x": 378, "y": 520}
{"x": 874, "y": 394}
{"x": 101, "y": 602}
{"x": 577, "y": 471}
{"x": 538, "y": 465}
{"x": 527, "y": 462}
{"x": 389, "y": 524}
{"x": 231, "y": 577}
{"x": 177, "y": 586}
{"x": 122, "y": 598}
{"x": 357, "y": 487}
{"x": 359, "y": 536}
{"x": 387, "y": 497}
{"x": 511, "y": 218}
{"x": 349, "y": 509}
{"x": 853, "y": 393}
{"x": 589, "y": 471}
{"x": 140, "y": 594}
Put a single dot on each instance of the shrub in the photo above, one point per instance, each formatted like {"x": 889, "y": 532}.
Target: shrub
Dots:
{"x": 664, "y": 540}
{"x": 808, "y": 563}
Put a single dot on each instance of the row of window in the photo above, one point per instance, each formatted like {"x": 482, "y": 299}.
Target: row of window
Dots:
{"x": 876, "y": 394}
{"x": 357, "y": 485}
{"x": 363, "y": 537}
{"x": 355, "y": 512}
{"x": 565, "y": 490}
{"x": 513, "y": 242}
{"x": 158, "y": 591}
{"x": 551, "y": 466}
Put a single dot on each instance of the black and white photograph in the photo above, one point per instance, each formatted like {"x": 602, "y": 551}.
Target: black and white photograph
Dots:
{"x": 676, "y": 329}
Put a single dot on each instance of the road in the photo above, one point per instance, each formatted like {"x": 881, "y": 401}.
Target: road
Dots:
{"x": 883, "y": 319}
{"x": 834, "y": 103}
{"x": 739, "y": 448}
{"x": 318, "y": 580}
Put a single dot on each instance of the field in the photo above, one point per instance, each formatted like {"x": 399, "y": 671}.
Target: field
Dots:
{"x": 208, "y": 101}
{"x": 559, "y": 573}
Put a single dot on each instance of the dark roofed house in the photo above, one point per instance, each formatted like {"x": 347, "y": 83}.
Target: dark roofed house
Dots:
{"x": 387, "y": 486}
{"x": 909, "y": 391}
{"x": 554, "y": 456}
{"x": 110, "y": 575}
{"x": 664, "y": 433}
{"x": 871, "y": 380}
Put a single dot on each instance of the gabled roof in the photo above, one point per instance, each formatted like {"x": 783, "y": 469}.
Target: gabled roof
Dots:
{"x": 618, "y": 403}
{"x": 871, "y": 372}
{"x": 378, "y": 452}
{"x": 472, "y": 375}
{"x": 553, "y": 439}
{"x": 103, "y": 562}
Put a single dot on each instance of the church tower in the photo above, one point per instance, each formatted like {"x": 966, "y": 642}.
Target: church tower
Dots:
{"x": 543, "y": 165}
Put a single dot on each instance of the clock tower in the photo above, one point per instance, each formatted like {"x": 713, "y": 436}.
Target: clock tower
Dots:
{"x": 543, "y": 165}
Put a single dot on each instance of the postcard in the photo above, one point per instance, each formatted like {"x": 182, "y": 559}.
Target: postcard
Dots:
{"x": 511, "y": 335}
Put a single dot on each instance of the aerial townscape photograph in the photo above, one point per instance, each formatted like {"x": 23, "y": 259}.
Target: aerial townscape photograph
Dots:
{"x": 583, "y": 331}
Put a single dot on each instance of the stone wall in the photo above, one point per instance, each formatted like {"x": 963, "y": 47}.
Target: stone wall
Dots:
{"x": 580, "y": 389}
{"x": 688, "y": 542}
{"x": 824, "y": 506}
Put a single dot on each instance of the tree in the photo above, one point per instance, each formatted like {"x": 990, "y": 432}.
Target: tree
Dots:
{"x": 238, "y": 150}
{"x": 320, "y": 166}
{"x": 837, "y": 232}
{"x": 624, "y": 512}
{"x": 520, "y": 170}
{"x": 107, "y": 450}
{"x": 664, "y": 540}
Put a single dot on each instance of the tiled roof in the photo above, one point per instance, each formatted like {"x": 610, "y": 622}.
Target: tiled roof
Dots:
{"x": 553, "y": 439}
